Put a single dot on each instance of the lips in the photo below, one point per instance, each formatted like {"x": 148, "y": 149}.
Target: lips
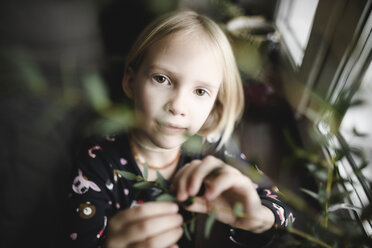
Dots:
{"x": 171, "y": 128}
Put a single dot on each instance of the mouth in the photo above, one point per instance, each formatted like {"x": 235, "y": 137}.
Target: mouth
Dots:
{"x": 171, "y": 128}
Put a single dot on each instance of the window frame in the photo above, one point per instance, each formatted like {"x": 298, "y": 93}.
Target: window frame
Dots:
{"x": 291, "y": 43}
{"x": 327, "y": 76}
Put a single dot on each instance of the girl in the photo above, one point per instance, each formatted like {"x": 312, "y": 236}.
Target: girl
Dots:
{"x": 182, "y": 77}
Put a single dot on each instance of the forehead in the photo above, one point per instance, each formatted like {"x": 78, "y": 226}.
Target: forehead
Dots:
{"x": 187, "y": 53}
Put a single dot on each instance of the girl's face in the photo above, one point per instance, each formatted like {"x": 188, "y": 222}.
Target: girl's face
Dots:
{"x": 174, "y": 89}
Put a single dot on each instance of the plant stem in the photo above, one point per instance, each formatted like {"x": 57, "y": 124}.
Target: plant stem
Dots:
{"x": 308, "y": 237}
{"x": 328, "y": 190}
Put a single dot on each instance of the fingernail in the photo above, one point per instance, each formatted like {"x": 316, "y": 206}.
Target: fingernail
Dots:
{"x": 180, "y": 196}
{"x": 174, "y": 207}
{"x": 180, "y": 218}
{"x": 191, "y": 190}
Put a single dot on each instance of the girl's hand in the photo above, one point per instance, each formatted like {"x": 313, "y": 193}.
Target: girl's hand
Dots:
{"x": 225, "y": 186}
{"x": 152, "y": 224}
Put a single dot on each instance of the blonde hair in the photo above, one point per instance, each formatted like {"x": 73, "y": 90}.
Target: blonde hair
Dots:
{"x": 229, "y": 103}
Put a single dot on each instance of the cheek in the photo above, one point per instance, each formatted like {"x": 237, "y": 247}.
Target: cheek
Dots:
{"x": 201, "y": 114}
{"x": 147, "y": 103}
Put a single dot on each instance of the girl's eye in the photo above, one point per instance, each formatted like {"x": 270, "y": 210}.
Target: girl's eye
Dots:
{"x": 200, "y": 92}
{"x": 161, "y": 79}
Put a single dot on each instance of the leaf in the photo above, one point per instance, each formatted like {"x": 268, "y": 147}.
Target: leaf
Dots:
{"x": 166, "y": 197}
{"x": 359, "y": 134}
{"x": 339, "y": 206}
{"x": 143, "y": 185}
{"x": 339, "y": 197}
{"x": 127, "y": 175}
{"x": 238, "y": 209}
{"x": 192, "y": 225}
{"x": 209, "y": 223}
{"x": 96, "y": 91}
{"x": 186, "y": 231}
{"x": 194, "y": 144}
{"x": 188, "y": 202}
{"x": 146, "y": 171}
{"x": 310, "y": 193}
{"x": 340, "y": 154}
{"x": 160, "y": 180}
{"x": 357, "y": 102}
{"x": 357, "y": 151}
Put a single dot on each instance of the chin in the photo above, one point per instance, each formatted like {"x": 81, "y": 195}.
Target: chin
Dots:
{"x": 170, "y": 142}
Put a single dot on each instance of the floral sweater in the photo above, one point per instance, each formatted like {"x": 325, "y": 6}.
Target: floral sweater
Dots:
{"x": 98, "y": 192}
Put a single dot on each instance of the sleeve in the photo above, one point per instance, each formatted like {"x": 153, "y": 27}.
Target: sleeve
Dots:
{"x": 89, "y": 199}
{"x": 270, "y": 197}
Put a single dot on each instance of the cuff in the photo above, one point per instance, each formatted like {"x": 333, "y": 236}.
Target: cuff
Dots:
{"x": 277, "y": 210}
{"x": 243, "y": 238}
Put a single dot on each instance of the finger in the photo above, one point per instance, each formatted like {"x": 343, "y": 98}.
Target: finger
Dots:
{"x": 164, "y": 239}
{"x": 200, "y": 205}
{"x": 141, "y": 230}
{"x": 195, "y": 180}
{"x": 180, "y": 181}
{"x": 145, "y": 210}
{"x": 224, "y": 181}
{"x": 181, "y": 171}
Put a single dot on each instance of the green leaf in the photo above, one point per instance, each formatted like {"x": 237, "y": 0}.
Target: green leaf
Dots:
{"x": 143, "y": 185}
{"x": 127, "y": 175}
{"x": 97, "y": 92}
{"x": 238, "y": 209}
{"x": 166, "y": 197}
{"x": 192, "y": 225}
{"x": 310, "y": 193}
{"x": 357, "y": 102}
{"x": 340, "y": 197}
{"x": 188, "y": 202}
{"x": 357, "y": 151}
{"x": 194, "y": 144}
{"x": 160, "y": 180}
{"x": 359, "y": 134}
{"x": 146, "y": 171}
{"x": 186, "y": 231}
{"x": 340, "y": 154}
{"x": 209, "y": 223}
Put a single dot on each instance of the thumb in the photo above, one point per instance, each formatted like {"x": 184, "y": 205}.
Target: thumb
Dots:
{"x": 200, "y": 205}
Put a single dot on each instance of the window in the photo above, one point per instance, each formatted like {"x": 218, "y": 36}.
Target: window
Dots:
{"x": 354, "y": 75}
{"x": 329, "y": 44}
{"x": 294, "y": 21}
{"x": 356, "y": 131}
{"x": 358, "y": 119}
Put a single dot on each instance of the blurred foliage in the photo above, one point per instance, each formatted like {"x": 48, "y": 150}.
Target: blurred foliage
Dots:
{"x": 336, "y": 223}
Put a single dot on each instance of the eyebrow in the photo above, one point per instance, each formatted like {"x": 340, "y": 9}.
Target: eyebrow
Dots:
{"x": 160, "y": 67}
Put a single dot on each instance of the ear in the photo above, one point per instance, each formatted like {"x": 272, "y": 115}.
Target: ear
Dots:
{"x": 127, "y": 82}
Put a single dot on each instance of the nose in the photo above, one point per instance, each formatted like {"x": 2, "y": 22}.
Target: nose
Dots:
{"x": 177, "y": 104}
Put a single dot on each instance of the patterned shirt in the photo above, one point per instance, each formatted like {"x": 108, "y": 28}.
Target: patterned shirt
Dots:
{"x": 98, "y": 191}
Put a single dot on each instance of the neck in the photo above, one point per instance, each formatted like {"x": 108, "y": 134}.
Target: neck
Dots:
{"x": 153, "y": 148}
{"x": 154, "y": 157}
